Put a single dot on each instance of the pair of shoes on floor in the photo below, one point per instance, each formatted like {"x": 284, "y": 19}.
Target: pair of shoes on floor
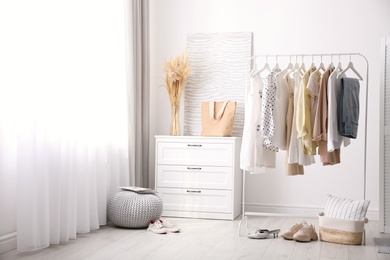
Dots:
{"x": 301, "y": 232}
{"x": 263, "y": 233}
{"x": 162, "y": 227}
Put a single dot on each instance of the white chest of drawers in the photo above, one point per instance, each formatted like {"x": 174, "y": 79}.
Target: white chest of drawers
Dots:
{"x": 199, "y": 176}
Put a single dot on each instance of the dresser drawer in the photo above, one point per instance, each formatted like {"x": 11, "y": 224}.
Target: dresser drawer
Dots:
{"x": 195, "y": 153}
{"x": 205, "y": 177}
{"x": 199, "y": 200}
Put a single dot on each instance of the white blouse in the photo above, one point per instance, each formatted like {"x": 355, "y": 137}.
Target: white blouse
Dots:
{"x": 253, "y": 156}
{"x": 267, "y": 116}
{"x": 296, "y": 154}
{"x": 334, "y": 138}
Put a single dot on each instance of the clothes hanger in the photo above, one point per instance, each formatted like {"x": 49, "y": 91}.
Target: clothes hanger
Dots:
{"x": 302, "y": 69}
{"x": 350, "y": 66}
{"x": 293, "y": 69}
{"x": 339, "y": 65}
{"x": 265, "y": 67}
{"x": 289, "y": 67}
{"x": 339, "y": 69}
{"x": 296, "y": 66}
{"x": 331, "y": 60}
{"x": 312, "y": 66}
{"x": 321, "y": 67}
{"x": 276, "y": 64}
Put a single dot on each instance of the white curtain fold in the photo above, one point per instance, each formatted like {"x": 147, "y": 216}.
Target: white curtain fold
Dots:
{"x": 137, "y": 56}
{"x": 64, "y": 115}
{"x": 69, "y": 164}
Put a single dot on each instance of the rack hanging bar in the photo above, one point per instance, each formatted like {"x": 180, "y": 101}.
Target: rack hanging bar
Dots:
{"x": 302, "y": 55}
{"x": 245, "y": 213}
{"x": 308, "y": 55}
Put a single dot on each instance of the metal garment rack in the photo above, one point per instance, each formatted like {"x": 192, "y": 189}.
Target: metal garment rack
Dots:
{"x": 250, "y": 66}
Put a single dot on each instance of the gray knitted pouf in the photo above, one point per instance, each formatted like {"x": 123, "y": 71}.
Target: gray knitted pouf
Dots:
{"x": 133, "y": 210}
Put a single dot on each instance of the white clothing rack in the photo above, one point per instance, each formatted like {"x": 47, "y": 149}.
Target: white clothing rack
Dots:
{"x": 253, "y": 59}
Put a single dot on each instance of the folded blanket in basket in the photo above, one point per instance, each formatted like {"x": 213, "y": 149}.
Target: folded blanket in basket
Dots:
{"x": 341, "y": 231}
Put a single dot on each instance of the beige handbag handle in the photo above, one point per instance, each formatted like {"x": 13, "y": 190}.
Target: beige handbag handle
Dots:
{"x": 220, "y": 112}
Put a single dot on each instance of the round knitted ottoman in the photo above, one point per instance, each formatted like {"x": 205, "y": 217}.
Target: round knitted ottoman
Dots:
{"x": 134, "y": 210}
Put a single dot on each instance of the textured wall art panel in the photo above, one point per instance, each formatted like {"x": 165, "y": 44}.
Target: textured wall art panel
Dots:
{"x": 219, "y": 64}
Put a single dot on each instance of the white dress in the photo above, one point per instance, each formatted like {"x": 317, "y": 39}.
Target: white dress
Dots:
{"x": 280, "y": 111}
{"x": 334, "y": 138}
{"x": 296, "y": 154}
{"x": 254, "y": 156}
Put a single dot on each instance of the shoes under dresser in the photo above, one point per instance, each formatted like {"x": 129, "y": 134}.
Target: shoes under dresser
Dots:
{"x": 199, "y": 176}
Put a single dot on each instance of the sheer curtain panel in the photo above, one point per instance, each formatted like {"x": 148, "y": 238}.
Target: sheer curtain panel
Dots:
{"x": 64, "y": 108}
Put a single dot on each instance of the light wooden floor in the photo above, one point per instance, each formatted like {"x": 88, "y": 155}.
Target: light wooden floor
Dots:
{"x": 204, "y": 239}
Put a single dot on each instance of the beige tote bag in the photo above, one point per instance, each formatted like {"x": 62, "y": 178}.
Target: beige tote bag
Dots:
{"x": 218, "y": 118}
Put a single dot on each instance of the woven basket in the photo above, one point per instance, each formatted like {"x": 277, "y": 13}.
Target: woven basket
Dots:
{"x": 133, "y": 210}
{"x": 341, "y": 231}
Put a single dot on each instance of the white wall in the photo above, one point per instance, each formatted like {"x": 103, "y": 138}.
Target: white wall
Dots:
{"x": 303, "y": 26}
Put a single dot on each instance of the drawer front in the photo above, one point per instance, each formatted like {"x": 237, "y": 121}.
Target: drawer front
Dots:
{"x": 198, "y": 200}
{"x": 205, "y": 177}
{"x": 193, "y": 153}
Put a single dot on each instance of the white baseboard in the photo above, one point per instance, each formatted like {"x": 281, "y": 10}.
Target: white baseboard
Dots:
{"x": 7, "y": 242}
{"x": 302, "y": 211}
{"x": 373, "y": 215}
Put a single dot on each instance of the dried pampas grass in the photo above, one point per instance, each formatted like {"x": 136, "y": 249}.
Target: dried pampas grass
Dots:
{"x": 177, "y": 72}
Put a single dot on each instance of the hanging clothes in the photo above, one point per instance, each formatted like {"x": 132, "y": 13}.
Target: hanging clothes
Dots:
{"x": 320, "y": 128}
{"x": 280, "y": 111}
{"x": 291, "y": 168}
{"x": 348, "y": 107}
{"x": 313, "y": 88}
{"x": 304, "y": 125}
{"x": 334, "y": 138}
{"x": 267, "y": 116}
{"x": 296, "y": 154}
{"x": 253, "y": 155}
{"x": 298, "y": 115}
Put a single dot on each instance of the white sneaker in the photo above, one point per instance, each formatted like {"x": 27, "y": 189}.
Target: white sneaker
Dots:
{"x": 157, "y": 227}
{"x": 170, "y": 227}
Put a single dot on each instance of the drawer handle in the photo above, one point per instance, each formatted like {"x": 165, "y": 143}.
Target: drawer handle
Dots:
{"x": 194, "y": 168}
{"x": 193, "y": 191}
{"x": 194, "y": 145}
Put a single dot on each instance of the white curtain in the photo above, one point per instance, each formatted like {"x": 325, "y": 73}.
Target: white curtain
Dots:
{"x": 137, "y": 54}
{"x": 63, "y": 100}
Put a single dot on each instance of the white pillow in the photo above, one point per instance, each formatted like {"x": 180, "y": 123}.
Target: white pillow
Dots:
{"x": 346, "y": 208}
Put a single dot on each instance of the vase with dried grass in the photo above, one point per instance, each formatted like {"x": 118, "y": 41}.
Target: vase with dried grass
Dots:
{"x": 177, "y": 72}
